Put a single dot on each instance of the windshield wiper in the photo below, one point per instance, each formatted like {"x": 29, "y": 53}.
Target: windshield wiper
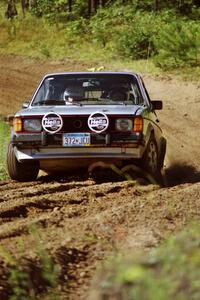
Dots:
{"x": 50, "y": 102}
{"x": 73, "y": 103}
{"x": 117, "y": 102}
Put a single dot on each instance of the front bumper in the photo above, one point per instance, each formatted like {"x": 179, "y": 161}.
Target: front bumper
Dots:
{"x": 46, "y": 153}
{"x": 42, "y": 146}
{"x": 104, "y": 139}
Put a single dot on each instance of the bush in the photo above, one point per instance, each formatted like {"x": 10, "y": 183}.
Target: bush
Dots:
{"x": 128, "y": 32}
{"x": 56, "y": 11}
{"x": 77, "y": 29}
{"x": 107, "y": 22}
{"x": 52, "y": 10}
{"x": 178, "y": 45}
{"x": 135, "y": 39}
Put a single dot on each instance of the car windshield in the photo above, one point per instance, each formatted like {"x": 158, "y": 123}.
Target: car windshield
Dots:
{"x": 88, "y": 89}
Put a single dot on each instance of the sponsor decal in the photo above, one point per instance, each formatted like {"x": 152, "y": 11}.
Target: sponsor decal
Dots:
{"x": 52, "y": 122}
{"x": 98, "y": 122}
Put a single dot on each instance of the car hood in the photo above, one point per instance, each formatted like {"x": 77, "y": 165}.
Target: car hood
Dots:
{"x": 83, "y": 110}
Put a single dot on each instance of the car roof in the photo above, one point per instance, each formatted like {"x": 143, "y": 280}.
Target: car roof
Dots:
{"x": 94, "y": 73}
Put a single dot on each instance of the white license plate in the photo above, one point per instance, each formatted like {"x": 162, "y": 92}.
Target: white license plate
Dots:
{"x": 76, "y": 139}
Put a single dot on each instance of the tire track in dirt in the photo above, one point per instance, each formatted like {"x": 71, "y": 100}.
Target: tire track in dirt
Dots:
{"x": 96, "y": 220}
{"x": 89, "y": 202}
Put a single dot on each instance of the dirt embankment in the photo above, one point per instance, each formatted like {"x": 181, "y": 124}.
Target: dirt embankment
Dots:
{"x": 82, "y": 222}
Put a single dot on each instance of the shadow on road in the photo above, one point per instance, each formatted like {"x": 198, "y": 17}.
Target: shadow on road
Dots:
{"x": 63, "y": 177}
{"x": 179, "y": 173}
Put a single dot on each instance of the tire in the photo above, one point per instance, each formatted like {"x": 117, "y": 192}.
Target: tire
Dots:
{"x": 27, "y": 171}
{"x": 150, "y": 160}
{"x": 162, "y": 152}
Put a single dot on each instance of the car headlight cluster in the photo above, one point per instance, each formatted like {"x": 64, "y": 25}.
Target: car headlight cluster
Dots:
{"x": 27, "y": 125}
{"x": 32, "y": 125}
{"x": 124, "y": 125}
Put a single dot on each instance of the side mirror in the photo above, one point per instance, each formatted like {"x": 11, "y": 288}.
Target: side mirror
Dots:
{"x": 157, "y": 104}
{"x": 25, "y": 104}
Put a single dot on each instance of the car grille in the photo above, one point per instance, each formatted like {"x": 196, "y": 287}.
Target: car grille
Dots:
{"x": 79, "y": 124}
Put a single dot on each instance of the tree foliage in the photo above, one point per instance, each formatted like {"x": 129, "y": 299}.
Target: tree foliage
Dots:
{"x": 169, "y": 271}
{"x": 178, "y": 43}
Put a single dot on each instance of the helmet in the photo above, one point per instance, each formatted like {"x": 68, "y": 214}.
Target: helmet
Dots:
{"x": 118, "y": 94}
{"x": 73, "y": 94}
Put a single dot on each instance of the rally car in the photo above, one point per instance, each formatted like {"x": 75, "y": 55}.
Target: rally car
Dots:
{"x": 76, "y": 120}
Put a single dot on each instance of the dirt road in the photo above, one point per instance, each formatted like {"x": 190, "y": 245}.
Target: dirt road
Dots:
{"x": 81, "y": 222}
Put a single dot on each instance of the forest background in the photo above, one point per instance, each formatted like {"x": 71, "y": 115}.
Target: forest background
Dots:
{"x": 166, "y": 33}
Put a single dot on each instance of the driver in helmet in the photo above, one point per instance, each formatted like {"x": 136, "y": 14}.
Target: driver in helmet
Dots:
{"x": 73, "y": 94}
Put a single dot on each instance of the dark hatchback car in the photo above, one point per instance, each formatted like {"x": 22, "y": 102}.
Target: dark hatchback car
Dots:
{"x": 76, "y": 120}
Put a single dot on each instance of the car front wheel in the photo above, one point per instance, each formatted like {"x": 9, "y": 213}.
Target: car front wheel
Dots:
{"x": 27, "y": 171}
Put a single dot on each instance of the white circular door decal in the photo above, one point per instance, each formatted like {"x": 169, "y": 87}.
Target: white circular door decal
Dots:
{"x": 98, "y": 122}
{"x": 52, "y": 122}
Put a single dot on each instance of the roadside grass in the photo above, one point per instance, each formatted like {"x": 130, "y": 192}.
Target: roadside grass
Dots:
{"x": 26, "y": 278}
{"x": 4, "y": 138}
{"x": 169, "y": 271}
{"x": 36, "y": 38}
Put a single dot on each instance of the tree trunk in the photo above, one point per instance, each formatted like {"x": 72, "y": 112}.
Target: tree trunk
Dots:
{"x": 157, "y": 5}
{"x": 70, "y": 5}
{"x": 11, "y": 11}
{"x": 93, "y": 6}
{"x": 25, "y": 6}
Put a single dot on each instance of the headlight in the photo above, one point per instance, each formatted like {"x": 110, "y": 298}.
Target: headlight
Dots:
{"x": 124, "y": 124}
{"x": 32, "y": 125}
